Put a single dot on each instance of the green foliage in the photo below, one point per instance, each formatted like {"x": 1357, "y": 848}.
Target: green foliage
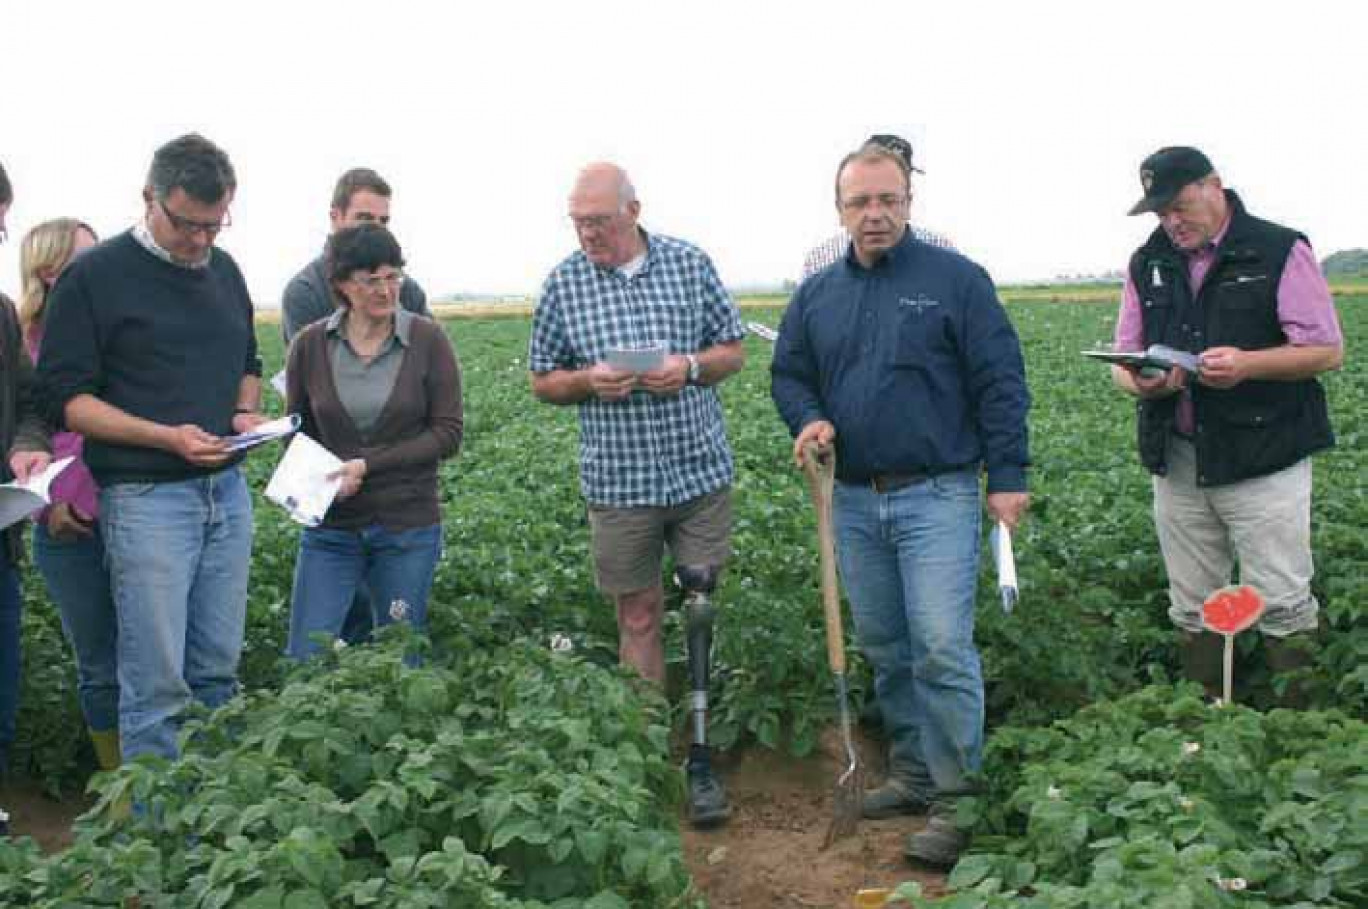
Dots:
{"x": 1091, "y": 626}
{"x": 1161, "y": 799}
{"x": 516, "y": 777}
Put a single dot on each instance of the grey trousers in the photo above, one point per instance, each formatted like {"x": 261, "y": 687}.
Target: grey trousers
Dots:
{"x": 1264, "y": 523}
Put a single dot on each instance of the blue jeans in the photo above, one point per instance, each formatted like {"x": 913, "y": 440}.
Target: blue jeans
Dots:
{"x": 78, "y": 582}
{"x": 178, "y": 554}
{"x": 334, "y": 564}
{"x": 11, "y": 609}
{"x": 909, "y": 560}
{"x": 360, "y": 621}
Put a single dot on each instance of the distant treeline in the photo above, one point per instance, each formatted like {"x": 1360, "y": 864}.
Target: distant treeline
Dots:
{"x": 1347, "y": 263}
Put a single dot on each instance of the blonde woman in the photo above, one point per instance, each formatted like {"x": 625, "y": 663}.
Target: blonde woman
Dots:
{"x": 67, "y": 546}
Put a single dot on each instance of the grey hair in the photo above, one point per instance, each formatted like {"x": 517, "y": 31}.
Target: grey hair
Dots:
{"x": 195, "y": 165}
{"x": 626, "y": 191}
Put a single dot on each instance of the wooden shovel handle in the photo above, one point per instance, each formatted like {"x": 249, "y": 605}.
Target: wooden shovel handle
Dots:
{"x": 820, "y": 471}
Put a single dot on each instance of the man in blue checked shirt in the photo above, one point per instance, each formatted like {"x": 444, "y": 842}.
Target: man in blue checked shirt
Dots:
{"x": 901, "y": 357}
{"x": 655, "y": 465}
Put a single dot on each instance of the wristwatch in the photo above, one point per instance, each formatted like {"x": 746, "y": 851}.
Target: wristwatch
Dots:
{"x": 695, "y": 370}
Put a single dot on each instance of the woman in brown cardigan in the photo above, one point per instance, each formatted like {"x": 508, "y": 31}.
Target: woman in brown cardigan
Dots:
{"x": 381, "y": 389}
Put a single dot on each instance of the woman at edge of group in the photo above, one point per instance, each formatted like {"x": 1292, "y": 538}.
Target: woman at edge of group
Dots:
{"x": 67, "y": 546}
{"x": 380, "y": 388}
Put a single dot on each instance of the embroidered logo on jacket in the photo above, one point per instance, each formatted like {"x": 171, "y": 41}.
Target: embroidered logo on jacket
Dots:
{"x": 920, "y": 303}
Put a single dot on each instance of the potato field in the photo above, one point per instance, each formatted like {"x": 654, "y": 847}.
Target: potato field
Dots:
{"x": 505, "y": 772}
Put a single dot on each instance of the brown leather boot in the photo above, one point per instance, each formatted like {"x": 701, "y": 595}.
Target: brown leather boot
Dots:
{"x": 1201, "y": 655}
{"x": 1289, "y": 654}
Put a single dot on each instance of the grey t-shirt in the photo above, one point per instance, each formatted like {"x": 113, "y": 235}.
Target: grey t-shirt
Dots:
{"x": 308, "y": 298}
{"x": 364, "y": 386}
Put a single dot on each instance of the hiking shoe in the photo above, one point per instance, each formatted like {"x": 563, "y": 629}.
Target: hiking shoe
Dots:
{"x": 939, "y": 844}
{"x": 893, "y": 799}
{"x": 707, "y": 800}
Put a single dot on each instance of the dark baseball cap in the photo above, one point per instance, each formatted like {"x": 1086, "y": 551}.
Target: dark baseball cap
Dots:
{"x": 1165, "y": 173}
{"x": 897, "y": 145}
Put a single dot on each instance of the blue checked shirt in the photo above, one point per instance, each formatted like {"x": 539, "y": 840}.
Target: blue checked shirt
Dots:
{"x": 648, "y": 449}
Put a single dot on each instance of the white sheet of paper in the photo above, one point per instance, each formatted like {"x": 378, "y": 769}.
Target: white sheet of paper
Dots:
{"x": 266, "y": 432}
{"x": 278, "y": 383}
{"x": 1003, "y": 558}
{"x": 19, "y": 500}
{"x": 636, "y": 359}
{"x": 300, "y": 483}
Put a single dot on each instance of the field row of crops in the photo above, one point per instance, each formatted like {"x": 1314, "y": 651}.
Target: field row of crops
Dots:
{"x": 502, "y": 773}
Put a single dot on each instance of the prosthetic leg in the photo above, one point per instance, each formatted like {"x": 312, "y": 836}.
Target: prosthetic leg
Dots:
{"x": 707, "y": 798}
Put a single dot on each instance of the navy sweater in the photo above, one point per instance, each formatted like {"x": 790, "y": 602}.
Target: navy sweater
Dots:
{"x": 913, "y": 361}
{"x": 158, "y": 341}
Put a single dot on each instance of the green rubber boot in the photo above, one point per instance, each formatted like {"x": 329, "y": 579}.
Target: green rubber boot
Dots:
{"x": 107, "y": 753}
{"x": 1201, "y": 656}
{"x": 1290, "y": 654}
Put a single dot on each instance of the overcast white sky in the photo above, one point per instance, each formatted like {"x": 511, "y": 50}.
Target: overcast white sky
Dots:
{"x": 1030, "y": 119}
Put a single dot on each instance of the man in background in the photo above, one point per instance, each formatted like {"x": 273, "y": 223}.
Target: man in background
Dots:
{"x": 361, "y": 196}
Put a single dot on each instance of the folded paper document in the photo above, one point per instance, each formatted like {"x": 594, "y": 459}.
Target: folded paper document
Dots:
{"x": 1000, "y": 538}
{"x": 305, "y": 481}
{"x": 1156, "y": 356}
{"x": 636, "y": 359}
{"x": 266, "y": 432}
{"x": 19, "y": 500}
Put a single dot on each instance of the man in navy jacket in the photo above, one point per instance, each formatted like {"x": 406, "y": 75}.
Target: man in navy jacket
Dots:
{"x": 901, "y": 358}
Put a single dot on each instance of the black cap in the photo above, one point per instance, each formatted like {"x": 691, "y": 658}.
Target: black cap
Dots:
{"x": 897, "y": 145}
{"x": 1165, "y": 173}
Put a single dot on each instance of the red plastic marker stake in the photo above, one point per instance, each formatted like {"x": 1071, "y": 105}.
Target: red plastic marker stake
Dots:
{"x": 1227, "y": 612}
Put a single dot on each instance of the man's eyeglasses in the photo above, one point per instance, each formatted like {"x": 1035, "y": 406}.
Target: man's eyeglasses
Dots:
{"x": 886, "y": 201}
{"x": 592, "y": 222}
{"x": 189, "y": 227}
{"x": 379, "y": 282}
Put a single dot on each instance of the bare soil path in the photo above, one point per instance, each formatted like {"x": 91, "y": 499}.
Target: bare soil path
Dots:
{"x": 34, "y": 814}
{"x": 769, "y": 854}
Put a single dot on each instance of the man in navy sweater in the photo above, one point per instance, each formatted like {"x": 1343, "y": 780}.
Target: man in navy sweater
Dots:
{"x": 150, "y": 354}
{"x": 901, "y": 357}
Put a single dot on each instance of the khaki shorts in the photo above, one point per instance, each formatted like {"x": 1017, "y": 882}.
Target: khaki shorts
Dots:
{"x": 629, "y": 542}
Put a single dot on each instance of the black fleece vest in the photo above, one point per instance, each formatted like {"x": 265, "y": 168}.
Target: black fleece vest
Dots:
{"x": 1258, "y": 427}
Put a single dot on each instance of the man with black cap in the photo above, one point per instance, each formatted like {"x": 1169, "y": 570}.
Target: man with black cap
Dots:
{"x": 1229, "y": 446}
{"x": 834, "y": 247}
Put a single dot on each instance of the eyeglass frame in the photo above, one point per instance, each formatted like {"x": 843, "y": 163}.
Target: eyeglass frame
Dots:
{"x": 191, "y": 227}
{"x": 375, "y": 283}
{"x": 885, "y": 201}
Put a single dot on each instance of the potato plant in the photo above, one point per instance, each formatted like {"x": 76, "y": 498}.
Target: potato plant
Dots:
{"x": 508, "y": 777}
{"x": 366, "y": 781}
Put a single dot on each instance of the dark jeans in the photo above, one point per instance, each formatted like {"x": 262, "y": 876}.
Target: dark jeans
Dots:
{"x": 78, "y": 582}
{"x": 11, "y": 608}
{"x": 334, "y": 565}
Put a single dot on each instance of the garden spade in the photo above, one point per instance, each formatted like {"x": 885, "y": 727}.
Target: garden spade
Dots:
{"x": 1227, "y": 612}
{"x": 820, "y": 470}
